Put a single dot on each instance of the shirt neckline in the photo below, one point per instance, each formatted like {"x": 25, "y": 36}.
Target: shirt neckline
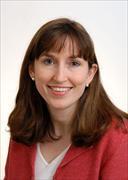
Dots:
{"x": 55, "y": 159}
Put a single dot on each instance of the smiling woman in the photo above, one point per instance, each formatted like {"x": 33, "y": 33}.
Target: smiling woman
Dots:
{"x": 63, "y": 121}
{"x": 61, "y": 77}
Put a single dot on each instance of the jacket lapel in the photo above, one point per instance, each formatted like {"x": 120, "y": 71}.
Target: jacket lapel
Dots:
{"x": 72, "y": 153}
{"x": 32, "y": 156}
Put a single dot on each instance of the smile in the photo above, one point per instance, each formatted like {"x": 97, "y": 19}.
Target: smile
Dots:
{"x": 60, "y": 91}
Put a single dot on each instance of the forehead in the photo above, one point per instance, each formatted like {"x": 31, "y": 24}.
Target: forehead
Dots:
{"x": 68, "y": 47}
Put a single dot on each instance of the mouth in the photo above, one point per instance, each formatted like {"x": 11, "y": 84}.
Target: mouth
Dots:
{"x": 59, "y": 91}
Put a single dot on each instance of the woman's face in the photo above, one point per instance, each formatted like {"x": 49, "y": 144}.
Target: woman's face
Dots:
{"x": 61, "y": 78}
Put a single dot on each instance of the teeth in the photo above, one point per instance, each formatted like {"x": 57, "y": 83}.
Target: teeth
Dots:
{"x": 60, "y": 89}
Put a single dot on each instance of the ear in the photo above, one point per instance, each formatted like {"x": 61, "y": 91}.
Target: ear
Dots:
{"x": 31, "y": 71}
{"x": 91, "y": 73}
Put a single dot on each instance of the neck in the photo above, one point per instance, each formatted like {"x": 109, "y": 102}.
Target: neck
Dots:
{"x": 62, "y": 120}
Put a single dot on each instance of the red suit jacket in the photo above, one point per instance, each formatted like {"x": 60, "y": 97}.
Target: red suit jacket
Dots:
{"x": 108, "y": 160}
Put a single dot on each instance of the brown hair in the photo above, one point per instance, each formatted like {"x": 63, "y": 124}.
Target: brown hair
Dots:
{"x": 30, "y": 120}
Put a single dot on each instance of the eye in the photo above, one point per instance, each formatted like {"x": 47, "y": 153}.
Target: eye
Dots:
{"x": 75, "y": 63}
{"x": 48, "y": 61}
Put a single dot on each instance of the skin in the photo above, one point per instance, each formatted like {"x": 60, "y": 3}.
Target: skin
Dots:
{"x": 55, "y": 70}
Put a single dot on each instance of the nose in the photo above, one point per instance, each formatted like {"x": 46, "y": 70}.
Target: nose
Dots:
{"x": 60, "y": 74}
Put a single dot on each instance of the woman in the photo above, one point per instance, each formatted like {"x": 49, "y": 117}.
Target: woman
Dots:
{"x": 64, "y": 126}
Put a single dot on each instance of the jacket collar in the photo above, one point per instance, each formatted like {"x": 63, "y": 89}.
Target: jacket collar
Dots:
{"x": 72, "y": 153}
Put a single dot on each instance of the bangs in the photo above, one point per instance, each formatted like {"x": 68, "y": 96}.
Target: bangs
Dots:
{"x": 54, "y": 39}
{"x": 58, "y": 42}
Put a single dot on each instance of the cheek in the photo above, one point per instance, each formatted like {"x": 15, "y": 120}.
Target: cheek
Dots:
{"x": 42, "y": 75}
{"x": 81, "y": 75}
{"x": 80, "y": 79}
{"x": 41, "y": 79}
{"x": 40, "y": 83}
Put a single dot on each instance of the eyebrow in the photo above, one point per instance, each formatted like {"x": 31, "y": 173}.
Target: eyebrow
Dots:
{"x": 53, "y": 56}
{"x": 47, "y": 54}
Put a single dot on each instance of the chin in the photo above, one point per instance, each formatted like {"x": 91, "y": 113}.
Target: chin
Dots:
{"x": 63, "y": 106}
{"x": 59, "y": 107}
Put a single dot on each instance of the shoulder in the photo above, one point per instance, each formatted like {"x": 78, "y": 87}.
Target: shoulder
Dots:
{"x": 19, "y": 155}
{"x": 113, "y": 151}
{"x": 114, "y": 140}
{"x": 17, "y": 149}
{"x": 16, "y": 145}
{"x": 116, "y": 132}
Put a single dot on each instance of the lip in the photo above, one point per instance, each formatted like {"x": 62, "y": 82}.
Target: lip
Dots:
{"x": 59, "y": 90}
{"x": 59, "y": 86}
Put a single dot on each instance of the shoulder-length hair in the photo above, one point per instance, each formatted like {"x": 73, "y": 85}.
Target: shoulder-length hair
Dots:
{"x": 30, "y": 120}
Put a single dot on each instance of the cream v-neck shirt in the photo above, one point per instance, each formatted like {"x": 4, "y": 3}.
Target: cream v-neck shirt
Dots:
{"x": 45, "y": 170}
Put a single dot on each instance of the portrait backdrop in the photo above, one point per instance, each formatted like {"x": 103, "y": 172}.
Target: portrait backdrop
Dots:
{"x": 106, "y": 22}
